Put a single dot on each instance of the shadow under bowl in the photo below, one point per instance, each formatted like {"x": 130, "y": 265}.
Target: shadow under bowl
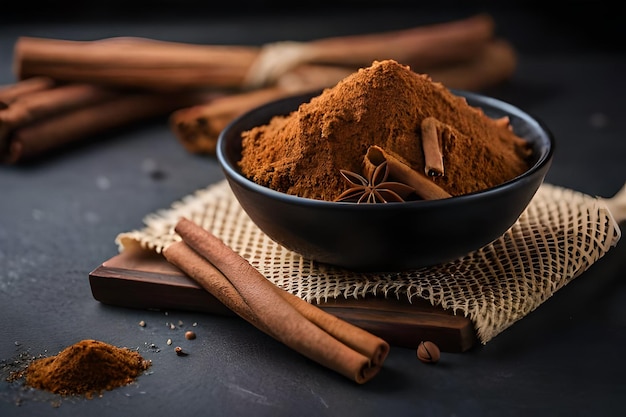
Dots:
{"x": 394, "y": 236}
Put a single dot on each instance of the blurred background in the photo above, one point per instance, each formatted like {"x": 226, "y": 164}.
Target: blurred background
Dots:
{"x": 592, "y": 23}
{"x": 559, "y": 44}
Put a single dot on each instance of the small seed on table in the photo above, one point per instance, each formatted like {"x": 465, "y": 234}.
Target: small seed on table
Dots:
{"x": 428, "y": 352}
{"x": 189, "y": 335}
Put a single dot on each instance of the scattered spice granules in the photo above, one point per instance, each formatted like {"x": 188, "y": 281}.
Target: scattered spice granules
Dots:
{"x": 86, "y": 368}
{"x": 384, "y": 105}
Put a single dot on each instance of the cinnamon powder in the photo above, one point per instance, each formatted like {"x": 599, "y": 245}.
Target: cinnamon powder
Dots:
{"x": 85, "y": 368}
{"x": 302, "y": 153}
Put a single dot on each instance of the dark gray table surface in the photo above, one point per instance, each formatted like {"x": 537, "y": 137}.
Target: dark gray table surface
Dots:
{"x": 59, "y": 219}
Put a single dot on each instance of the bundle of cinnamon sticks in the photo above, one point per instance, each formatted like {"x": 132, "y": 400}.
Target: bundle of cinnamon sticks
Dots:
{"x": 462, "y": 54}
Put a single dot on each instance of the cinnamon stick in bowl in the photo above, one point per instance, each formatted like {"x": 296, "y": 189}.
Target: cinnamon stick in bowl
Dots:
{"x": 329, "y": 341}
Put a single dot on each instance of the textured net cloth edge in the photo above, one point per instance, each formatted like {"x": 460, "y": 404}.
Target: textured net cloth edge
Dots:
{"x": 559, "y": 236}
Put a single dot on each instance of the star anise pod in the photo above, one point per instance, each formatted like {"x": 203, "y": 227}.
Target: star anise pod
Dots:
{"x": 376, "y": 189}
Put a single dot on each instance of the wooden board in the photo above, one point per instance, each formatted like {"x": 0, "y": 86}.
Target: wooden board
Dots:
{"x": 145, "y": 280}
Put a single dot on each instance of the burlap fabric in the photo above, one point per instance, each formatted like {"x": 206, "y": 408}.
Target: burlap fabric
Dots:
{"x": 559, "y": 236}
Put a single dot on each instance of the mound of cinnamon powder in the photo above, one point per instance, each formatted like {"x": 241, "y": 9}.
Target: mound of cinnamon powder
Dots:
{"x": 85, "y": 368}
{"x": 383, "y": 105}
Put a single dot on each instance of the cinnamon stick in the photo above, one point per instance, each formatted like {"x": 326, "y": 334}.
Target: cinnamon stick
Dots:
{"x": 10, "y": 92}
{"x": 419, "y": 47}
{"x": 424, "y": 187}
{"x": 37, "y": 105}
{"x": 197, "y": 127}
{"x": 167, "y": 66}
{"x": 50, "y": 133}
{"x": 324, "y": 338}
{"x": 433, "y": 159}
{"x": 134, "y": 62}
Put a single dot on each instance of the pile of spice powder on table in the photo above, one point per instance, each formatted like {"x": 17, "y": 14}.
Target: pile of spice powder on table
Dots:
{"x": 86, "y": 368}
{"x": 383, "y": 105}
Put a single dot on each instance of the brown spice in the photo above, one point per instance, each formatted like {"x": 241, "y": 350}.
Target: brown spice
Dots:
{"x": 428, "y": 352}
{"x": 86, "y": 368}
{"x": 383, "y": 105}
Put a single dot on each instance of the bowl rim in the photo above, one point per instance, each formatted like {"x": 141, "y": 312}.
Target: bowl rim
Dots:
{"x": 233, "y": 173}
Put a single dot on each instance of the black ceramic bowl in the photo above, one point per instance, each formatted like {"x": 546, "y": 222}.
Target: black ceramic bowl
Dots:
{"x": 394, "y": 236}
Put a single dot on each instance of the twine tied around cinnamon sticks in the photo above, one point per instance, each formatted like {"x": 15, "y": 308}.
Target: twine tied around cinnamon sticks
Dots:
{"x": 320, "y": 336}
{"x": 462, "y": 54}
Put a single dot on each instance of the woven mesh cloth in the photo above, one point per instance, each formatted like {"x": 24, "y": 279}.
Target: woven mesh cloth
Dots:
{"x": 560, "y": 235}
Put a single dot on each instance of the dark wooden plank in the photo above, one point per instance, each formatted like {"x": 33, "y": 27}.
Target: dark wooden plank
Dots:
{"x": 145, "y": 280}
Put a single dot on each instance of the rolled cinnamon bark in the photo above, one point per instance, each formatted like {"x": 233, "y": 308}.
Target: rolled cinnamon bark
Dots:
{"x": 198, "y": 127}
{"x": 424, "y": 186}
{"x": 41, "y": 104}
{"x": 420, "y": 47}
{"x": 433, "y": 159}
{"x": 134, "y": 62}
{"x": 10, "y": 92}
{"x": 39, "y": 138}
{"x": 167, "y": 66}
{"x": 336, "y": 344}
{"x": 352, "y": 336}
